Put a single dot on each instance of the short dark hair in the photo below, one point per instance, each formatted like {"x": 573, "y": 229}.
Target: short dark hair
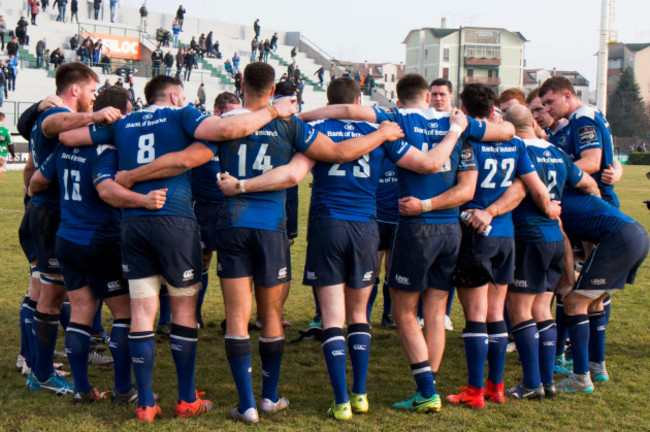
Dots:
{"x": 155, "y": 88}
{"x": 113, "y": 96}
{"x": 285, "y": 88}
{"x": 556, "y": 84}
{"x": 478, "y": 100}
{"x": 534, "y": 93}
{"x": 343, "y": 90}
{"x": 2, "y": 115}
{"x": 73, "y": 73}
{"x": 258, "y": 77}
{"x": 223, "y": 99}
{"x": 442, "y": 82}
{"x": 512, "y": 93}
{"x": 410, "y": 86}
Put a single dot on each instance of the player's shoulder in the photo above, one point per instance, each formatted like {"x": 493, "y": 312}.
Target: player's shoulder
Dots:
{"x": 586, "y": 113}
{"x": 428, "y": 114}
{"x": 537, "y": 143}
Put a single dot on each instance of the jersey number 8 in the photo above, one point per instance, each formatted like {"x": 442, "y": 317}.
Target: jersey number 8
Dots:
{"x": 146, "y": 152}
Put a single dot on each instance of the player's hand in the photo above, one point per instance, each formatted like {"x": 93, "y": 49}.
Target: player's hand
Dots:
{"x": 106, "y": 115}
{"x": 610, "y": 175}
{"x": 563, "y": 289}
{"x": 155, "y": 200}
{"x": 554, "y": 210}
{"x": 228, "y": 184}
{"x": 123, "y": 178}
{"x": 410, "y": 206}
{"x": 480, "y": 219}
{"x": 392, "y": 130}
{"x": 27, "y": 190}
{"x": 286, "y": 107}
{"x": 459, "y": 118}
{"x": 50, "y": 102}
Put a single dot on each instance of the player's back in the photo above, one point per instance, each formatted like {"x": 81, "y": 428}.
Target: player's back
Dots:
{"x": 347, "y": 191}
{"x": 145, "y": 135}
{"x": 271, "y": 146}
{"x": 85, "y": 218}
{"x": 204, "y": 182}
{"x": 387, "y": 195}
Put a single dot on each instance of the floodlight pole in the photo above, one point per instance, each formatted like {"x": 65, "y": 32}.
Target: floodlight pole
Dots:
{"x": 603, "y": 56}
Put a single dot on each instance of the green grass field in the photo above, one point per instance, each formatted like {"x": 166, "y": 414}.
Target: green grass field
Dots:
{"x": 621, "y": 404}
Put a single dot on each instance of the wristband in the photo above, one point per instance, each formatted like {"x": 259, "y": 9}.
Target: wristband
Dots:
{"x": 242, "y": 186}
{"x": 455, "y": 128}
{"x": 273, "y": 111}
{"x": 426, "y": 205}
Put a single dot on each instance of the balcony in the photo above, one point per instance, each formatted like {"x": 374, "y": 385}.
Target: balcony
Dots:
{"x": 475, "y": 61}
{"x": 491, "y": 81}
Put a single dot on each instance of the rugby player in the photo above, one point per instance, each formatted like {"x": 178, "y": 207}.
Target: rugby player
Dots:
{"x": 427, "y": 237}
{"x": 511, "y": 97}
{"x": 164, "y": 244}
{"x": 252, "y": 245}
{"x": 342, "y": 237}
{"x": 88, "y": 248}
{"x": 486, "y": 262}
{"x": 539, "y": 253}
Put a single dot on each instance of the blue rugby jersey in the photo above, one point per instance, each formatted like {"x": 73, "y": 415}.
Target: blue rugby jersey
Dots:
{"x": 387, "y": 194}
{"x": 590, "y": 218}
{"x": 556, "y": 169}
{"x": 85, "y": 218}
{"x": 348, "y": 191}
{"x": 145, "y": 135}
{"x": 204, "y": 182}
{"x": 271, "y": 146}
{"x": 589, "y": 129}
{"x": 424, "y": 128}
{"x": 498, "y": 164}
{"x": 559, "y": 136}
{"x": 41, "y": 147}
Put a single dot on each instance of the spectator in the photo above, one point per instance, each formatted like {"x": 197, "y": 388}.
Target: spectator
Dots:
{"x": 321, "y": 75}
{"x": 208, "y": 45}
{"x": 21, "y": 31}
{"x": 105, "y": 60}
{"x": 235, "y": 62}
{"x": 156, "y": 59}
{"x": 299, "y": 89}
{"x": 166, "y": 38}
{"x": 193, "y": 44}
{"x": 261, "y": 55}
{"x": 238, "y": 80}
{"x": 215, "y": 46}
{"x": 35, "y": 5}
{"x": 97, "y": 6}
{"x": 332, "y": 72}
{"x": 98, "y": 49}
{"x": 642, "y": 147}
{"x": 254, "y": 45}
{"x": 3, "y": 29}
{"x": 3, "y": 81}
{"x": 228, "y": 67}
{"x": 74, "y": 42}
{"x": 106, "y": 85}
{"x": 74, "y": 10}
{"x": 56, "y": 58}
{"x": 85, "y": 51}
{"x": 180, "y": 16}
{"x": 4, "y": 69}
{"x": 12, "y": 67}
{"x": 180, "y": 61}
{"x": 256, "y": 28}
{"x": 131, "y": 93}
{"x": 12, "y": 46}
{"x": 44, "y": 4}
{"x": 294, "y": 53}
{"x": 41, "y": 45}
{"x": 190, "y": 61}
{"x": 144, "y": 13}
{"x": 138, "y": 105}
{"x": 200, "y": 93}
{"x": 267, "y": 49}
{"x": 284, "y": 77}
{"x": 274, "y": 42}
{"x": 113, "y": 5}
{"x": 176, "y": 28}
{"x": 46, "y": 57}
{"x": 290, "y": 69}
{"x": 202, "y": 49}
{"x": 357, "y": 76}
{"x": 169, "y": 63}
{"x": 296, "y": 74}
{"x": 119, "y": 82}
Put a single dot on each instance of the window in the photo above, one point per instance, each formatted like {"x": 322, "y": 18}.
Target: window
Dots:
{"x": 470, "y": 72}
{"x": 445, "y": 73}
{"x": 392, "y": 78}
{"x": 386, "y": 77}
{"x": 493, "y": 73}
{"x": 445, "y": 54}
{"x": 579, "y": 92}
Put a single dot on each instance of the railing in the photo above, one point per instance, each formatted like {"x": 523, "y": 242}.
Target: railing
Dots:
{"x": 482, "y": 80}
{"x": 313, "y": 45}
{"x": 13, "y": 110}
{"x": 85, "y": 26}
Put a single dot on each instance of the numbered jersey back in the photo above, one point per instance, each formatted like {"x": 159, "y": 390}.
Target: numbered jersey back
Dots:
{"x": 348, "y": 191}
{"x": 270, "y": 147}
{"x": 144, "y": 136}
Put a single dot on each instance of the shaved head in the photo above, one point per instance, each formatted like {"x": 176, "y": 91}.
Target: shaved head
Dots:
{"x": 520, "y": 116}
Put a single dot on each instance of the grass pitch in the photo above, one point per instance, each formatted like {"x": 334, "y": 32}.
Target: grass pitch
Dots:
{"x": 620, "y": 404}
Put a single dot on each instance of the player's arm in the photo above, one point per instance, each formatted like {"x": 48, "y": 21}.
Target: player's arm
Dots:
{"x": 589, "y": 160}
{"x": 539, "y": 193}
{"x": 462, "y": 192}
{"x": 30, "y": 115}
{"x": 214, "y": 128}
{"x": 588, "y": 185}
{"x": 507, "y": 202}
{"x": 431, "y": 161}
{"x": 66, "y": 121}
{"x": 28, "y": 171}
{"x": 118, "y": 196}
{"x": 37, "y": 184}
{"x": 282, "y": 177}
{"x": 612, "y": 174}
{"x": 341, "y": 111}
{"x": 325, "y": 150}
{"x": 503, "y": 131}
{"x": 168, "y": 165}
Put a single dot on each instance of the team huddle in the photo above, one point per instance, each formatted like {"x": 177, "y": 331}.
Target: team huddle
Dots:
{"x": 448, "y": 198}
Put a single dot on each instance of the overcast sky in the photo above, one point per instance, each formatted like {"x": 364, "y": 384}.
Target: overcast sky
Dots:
{"x": 562, "y": 33}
